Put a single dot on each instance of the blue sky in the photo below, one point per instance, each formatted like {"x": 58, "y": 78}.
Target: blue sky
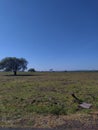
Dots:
{"x": 58, "y": 34}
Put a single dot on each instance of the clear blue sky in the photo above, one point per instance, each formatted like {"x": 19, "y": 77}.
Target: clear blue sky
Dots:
{"x": 58, "y": 34}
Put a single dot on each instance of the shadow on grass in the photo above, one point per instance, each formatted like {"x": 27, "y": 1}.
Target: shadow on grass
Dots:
{"x": 21, "y": 75}
{"x": 77, "y": 125}
{"x": 26, "y": 129}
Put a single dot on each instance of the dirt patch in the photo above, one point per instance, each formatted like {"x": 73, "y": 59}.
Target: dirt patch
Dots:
{"x": 79, "y": 122}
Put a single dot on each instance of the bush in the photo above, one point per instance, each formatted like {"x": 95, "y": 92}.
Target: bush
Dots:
{"x": 31, "y": 70}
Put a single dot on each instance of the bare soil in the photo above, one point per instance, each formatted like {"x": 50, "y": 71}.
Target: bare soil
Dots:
{"x": 73, "y": 122}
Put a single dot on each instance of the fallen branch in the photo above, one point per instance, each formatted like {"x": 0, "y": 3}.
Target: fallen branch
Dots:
{"x": 81, "y": 103}
{"x": 76, "y": 98}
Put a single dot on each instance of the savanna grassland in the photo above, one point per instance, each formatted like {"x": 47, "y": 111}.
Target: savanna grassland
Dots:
{"x": 43, "y": 99}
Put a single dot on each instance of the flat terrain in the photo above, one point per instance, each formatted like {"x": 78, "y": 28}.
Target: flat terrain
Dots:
{"x": 43, "y": 99}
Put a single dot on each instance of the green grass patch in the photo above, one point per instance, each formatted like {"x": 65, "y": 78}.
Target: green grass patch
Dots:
{"x": 46, "y": 93}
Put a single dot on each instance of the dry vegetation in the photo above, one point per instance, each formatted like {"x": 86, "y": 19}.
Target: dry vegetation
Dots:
{"x": 44, "y": 100}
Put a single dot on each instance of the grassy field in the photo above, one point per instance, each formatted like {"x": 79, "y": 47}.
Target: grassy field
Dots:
{"x": 46, "y": 97}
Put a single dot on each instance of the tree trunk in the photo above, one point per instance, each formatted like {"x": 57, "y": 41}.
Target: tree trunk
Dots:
{"x": 15, "y": 73}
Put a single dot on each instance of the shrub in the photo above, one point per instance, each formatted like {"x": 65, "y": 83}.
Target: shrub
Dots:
{"x": 31, "y": 70}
